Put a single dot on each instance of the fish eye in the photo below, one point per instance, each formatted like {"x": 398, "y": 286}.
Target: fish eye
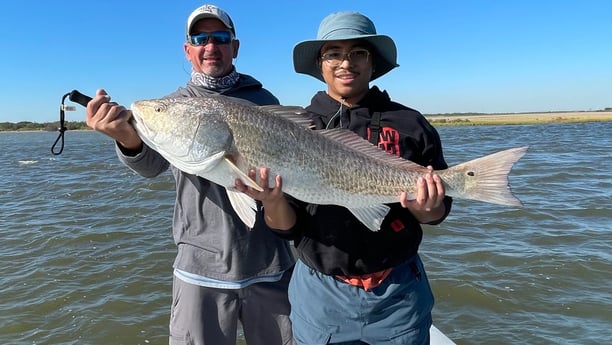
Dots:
{"x": 159, "y": 108}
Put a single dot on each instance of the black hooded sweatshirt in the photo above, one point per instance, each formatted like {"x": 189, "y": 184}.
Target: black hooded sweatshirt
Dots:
{"x": 329, "y": 238}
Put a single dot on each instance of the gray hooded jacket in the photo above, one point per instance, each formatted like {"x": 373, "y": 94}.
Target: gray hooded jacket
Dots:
{"x": 212, "y": 241}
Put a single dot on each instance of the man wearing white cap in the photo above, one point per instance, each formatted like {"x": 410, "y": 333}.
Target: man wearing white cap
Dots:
{"x": 352, "y": 285}
{"x": 223, "y": 272}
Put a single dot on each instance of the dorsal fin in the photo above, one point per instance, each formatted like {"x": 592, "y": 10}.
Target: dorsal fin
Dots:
{"x": 296, "y": 114}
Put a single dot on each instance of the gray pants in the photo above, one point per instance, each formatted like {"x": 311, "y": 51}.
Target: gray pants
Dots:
{"x": 209, "y": 316}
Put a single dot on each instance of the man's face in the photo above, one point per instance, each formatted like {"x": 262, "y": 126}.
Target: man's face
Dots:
{"x": 347, "y": 69}
{"x": 213, "y": 59}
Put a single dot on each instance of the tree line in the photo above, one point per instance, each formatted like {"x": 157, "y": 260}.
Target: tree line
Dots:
{"x": 41, "y": 126}
{"x": 81, "y": 125}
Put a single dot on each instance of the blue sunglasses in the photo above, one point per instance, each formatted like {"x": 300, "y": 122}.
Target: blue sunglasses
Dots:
{"x": 217, "y": 37}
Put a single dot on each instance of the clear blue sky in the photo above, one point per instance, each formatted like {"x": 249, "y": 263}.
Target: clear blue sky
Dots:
{"x": 455, "y": 56}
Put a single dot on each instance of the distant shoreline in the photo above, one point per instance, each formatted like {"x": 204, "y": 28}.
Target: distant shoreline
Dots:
{"x": 478, "y": 119}
{"x": 519, "y": 118}
{"x": 45, "y": 131}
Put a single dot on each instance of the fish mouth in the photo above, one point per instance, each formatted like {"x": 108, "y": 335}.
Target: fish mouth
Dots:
{"x": 134, "y": 119}
{"x": 138, "y": 124}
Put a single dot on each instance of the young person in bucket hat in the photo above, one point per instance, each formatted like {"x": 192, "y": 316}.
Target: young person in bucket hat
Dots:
{"x": 224, "y": 273}
{"x": 352, "y": 285}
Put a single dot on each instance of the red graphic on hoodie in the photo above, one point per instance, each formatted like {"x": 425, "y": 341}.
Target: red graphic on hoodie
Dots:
{"x": 388, "y": 140}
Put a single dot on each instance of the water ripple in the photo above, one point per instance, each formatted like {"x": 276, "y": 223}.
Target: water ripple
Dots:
{"x": 87, "y": 244}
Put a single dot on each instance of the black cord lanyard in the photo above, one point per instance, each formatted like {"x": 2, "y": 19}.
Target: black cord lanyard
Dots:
{"x": 62, "y": 128}
{"x": 74, "y": 96}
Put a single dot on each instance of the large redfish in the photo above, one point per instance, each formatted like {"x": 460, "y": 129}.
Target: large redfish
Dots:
{"x": 220, "y": 138}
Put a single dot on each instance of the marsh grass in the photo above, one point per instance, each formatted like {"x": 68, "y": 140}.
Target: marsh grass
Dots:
{"x": 519, "y": 119}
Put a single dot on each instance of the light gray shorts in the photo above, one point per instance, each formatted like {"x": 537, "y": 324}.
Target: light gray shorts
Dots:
{"x": 209, "y": 316}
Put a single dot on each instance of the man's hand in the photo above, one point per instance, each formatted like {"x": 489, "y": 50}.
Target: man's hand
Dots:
{"x": 278, "y": 214}
{"x": 113, "y": 120}
{"x": 428, "y": 205}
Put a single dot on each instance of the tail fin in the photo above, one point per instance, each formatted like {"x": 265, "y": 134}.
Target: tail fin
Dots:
{"x": 486, "y": 178}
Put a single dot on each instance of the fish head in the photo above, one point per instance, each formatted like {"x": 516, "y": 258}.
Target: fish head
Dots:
{"x": 184, "y": 130}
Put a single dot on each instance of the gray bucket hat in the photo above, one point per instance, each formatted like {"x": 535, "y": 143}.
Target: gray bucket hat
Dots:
{"x": 345, "y": 26}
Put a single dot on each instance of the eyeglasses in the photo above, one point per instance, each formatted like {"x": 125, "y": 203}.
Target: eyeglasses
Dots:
{"x": 217, "y": 37}
{"x": 335, "y": 58}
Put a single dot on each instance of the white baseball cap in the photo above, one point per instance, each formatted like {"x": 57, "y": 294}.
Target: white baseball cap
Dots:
{"x": 210, "y": 11}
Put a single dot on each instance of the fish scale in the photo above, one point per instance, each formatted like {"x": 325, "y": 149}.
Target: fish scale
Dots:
{"x": 220, "y": 138}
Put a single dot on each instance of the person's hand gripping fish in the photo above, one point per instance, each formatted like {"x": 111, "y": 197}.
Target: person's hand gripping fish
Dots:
{"x": 113, "y": 120}
{"x": 278, "y": 213}
{"x": 427, "y": 205}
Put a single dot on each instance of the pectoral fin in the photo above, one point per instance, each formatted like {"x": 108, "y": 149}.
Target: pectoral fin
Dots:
{"x": 199, "y": 168}
{"x": 372, "y": 217}
{"x": 245, "y": 207}
{"x": 244, "y": 177}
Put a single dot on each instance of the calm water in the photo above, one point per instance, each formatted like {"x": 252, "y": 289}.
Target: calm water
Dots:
{"x": 87, "y": 248}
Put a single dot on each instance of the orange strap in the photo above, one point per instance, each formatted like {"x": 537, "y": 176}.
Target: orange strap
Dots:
{"x": 367, "y": 281}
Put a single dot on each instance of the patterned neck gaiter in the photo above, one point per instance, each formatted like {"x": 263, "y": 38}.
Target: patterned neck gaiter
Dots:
{"x": 216, "y": 84}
